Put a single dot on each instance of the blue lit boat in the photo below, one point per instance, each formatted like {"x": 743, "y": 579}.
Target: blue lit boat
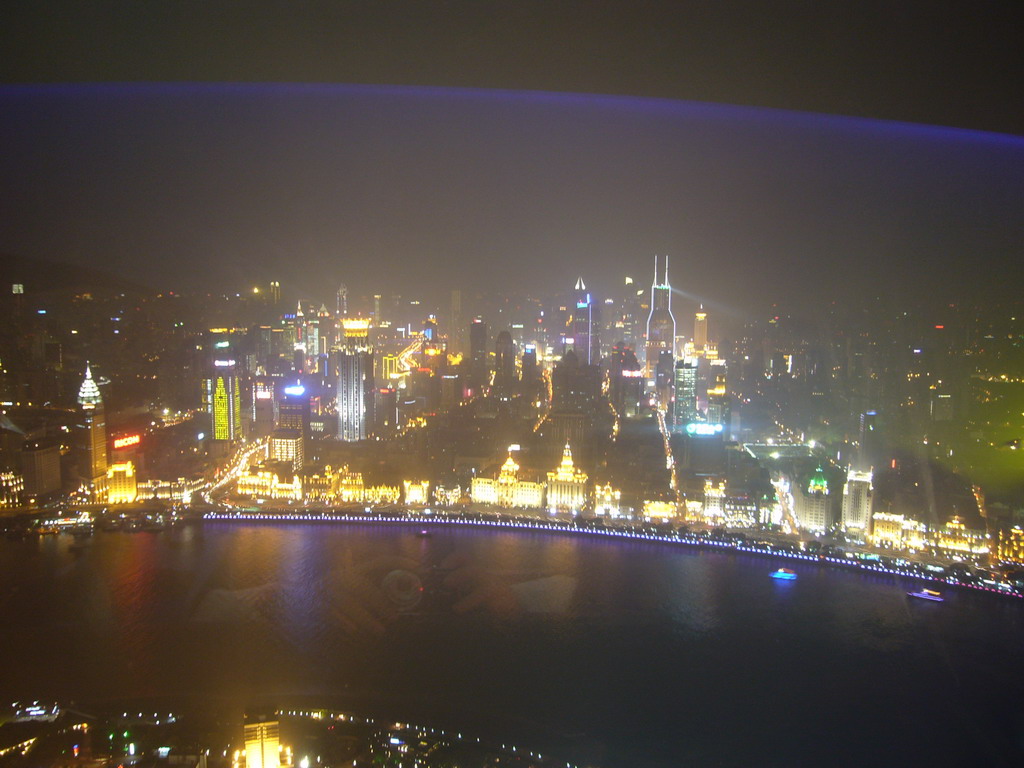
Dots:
{"x": 926, "y": 594}
{"x": 784, "y": 574}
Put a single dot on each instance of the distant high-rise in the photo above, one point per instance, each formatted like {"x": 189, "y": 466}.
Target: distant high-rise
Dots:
{"x": 478, "y": 353}
{"x": 355, "y": 381}
{"x": 504, "y": 361}
{"x": 224, "y": 403}
{"x": 275, "y": 292}
{"x": 343, "y": 301}
{"x": 92, "y": 465}
{"x": 661, "y": 325}
{"x": 700, "y": 328}
{"x": 583, "y": 328}
{"x": 857, "y": 495}
{"x": 685, "y": 404}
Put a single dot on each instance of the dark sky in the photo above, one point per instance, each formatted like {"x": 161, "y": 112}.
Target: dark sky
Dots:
{"x": 412, "y": 190}
{"x": 220, "y": 185}
{"x": 942, "y": 62}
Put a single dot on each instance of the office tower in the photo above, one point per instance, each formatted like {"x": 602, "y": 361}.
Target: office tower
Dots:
{"x": 342, "y": 301}
{"x": 385, "y": 411}
{"x": 684, "y": 409}
{"x": 355, "y": 381}
{"x": 223, "y": 403}
{"x": 122, "y": 483}
{"x": 275, "y": 293}
{"x": 625, "y": 382}
{"x": 857, "y": 496}
{"x": 531, "y": 371}
{"x": 504, "y": 361}
{"x": 40, "y": 466}
{"x": 813, "y": 507}
{"x": 262, "y": 742}
{"x": 456, "y": 327}
{"x": 293, "y": 409}
{"x": 478, "y": 354}
{"x": 700, "y": 329}
{"x": 264, "y": 407}
{"x": 287, "y": 445}
{"x": 92, "y": 464}
{"x": 717, "y": 394}
{"x": 661, "y": 325}
{"x": 583, "y": 328}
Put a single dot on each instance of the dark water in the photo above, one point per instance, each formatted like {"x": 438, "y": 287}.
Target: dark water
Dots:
{"x": 623, "y": 653}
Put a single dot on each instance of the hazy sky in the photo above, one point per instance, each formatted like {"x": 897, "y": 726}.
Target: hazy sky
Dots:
{"x": 417, "y": 189}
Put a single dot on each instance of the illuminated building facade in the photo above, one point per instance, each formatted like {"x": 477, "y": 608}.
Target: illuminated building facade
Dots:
{"x": 122, "y": 483}
{"x": 897, "y": 531}
{"x": 700, "y": 329}
{"x": 813, "y": 506}
{"x": 12, "y": 486}
{"x": 507, "y": 490}
{"x": 40, "y": 466}
{"x": 584, "y": 329}
{"x": 661, "y": 325}
{"x": 607, "y": 501}
{"x": 955, "y": 538}
{"x": 417, "y": 492}
{"x": 447, "y": 495}
{"x": 271, "y": 480}
{"x": 717, "y": 394}
{"x": 684, "y": 408}
{"x": 567, "y": 486}
{"x": 181, "y": 490}
{"x": 262, "y": 743}
{"x": 92, "y": 441}
{"x": 857, "y": 496}
{"x": 355, "y": 381}
{"x": 714, "y": 500}
{"x": 288, "y": 445}
{"x": 223, "y": 402}
{"x": 1010, "y": 548}
{"x": 655, "y": 510}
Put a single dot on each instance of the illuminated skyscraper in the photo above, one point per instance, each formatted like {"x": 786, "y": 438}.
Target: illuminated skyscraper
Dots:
{"x": 857, "y": 495}
{"x": 685, "y": 405}
{"x": 718, "y": 394}
{"x": 700, "y": 329}
{"x": 262, "y": 743}
{"x": 661, "y": 325}
{"x": 583, "y": 328}
{"x": 355, "y": 381}
{"x": 92, "y": 464}
{"x": 275, "y": 292}
{"x": 223, "y": 402}
{"x": 343, "y": 301}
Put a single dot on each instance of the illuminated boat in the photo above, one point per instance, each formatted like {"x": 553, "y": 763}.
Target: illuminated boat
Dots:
{"x": 784, "y": 574}
{"x": 926, "y": 594}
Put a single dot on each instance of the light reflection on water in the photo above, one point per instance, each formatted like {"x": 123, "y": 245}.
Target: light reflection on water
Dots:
{"x": 632, "y": 653}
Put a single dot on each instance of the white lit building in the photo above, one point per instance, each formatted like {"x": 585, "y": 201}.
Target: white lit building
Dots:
{"x": 567, "y": 486}
{"x": 857, "y": 497}
{"x": 508, "y": 490}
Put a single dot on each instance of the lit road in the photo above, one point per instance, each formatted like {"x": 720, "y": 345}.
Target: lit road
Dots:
{"x": 241, "y": 460}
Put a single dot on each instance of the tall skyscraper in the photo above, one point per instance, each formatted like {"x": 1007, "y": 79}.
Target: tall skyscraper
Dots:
{"x": 504, "y": 361}
{"x": 857, "y": 495}
{"x": 685, "y": 404}
{"x": 583, "y": 328}
{"x": 262, "y": 742}
{"x": 700, "y": 328}
{"x": 92, "y": 464}
{"x": 661, "y": 325}
{"x": 223, "y": 402}
{"x": 355, "y": 381}
{"x": 478, "y": 354}
{"x": 343, "y": 301}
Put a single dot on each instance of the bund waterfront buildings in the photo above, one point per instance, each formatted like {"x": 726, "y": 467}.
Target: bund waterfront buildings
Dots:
{"x": 614, "y": 410}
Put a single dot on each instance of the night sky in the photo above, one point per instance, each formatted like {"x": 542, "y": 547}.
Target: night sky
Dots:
{"x": 413, "y": 183}
{"x": 415, "y": 190}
